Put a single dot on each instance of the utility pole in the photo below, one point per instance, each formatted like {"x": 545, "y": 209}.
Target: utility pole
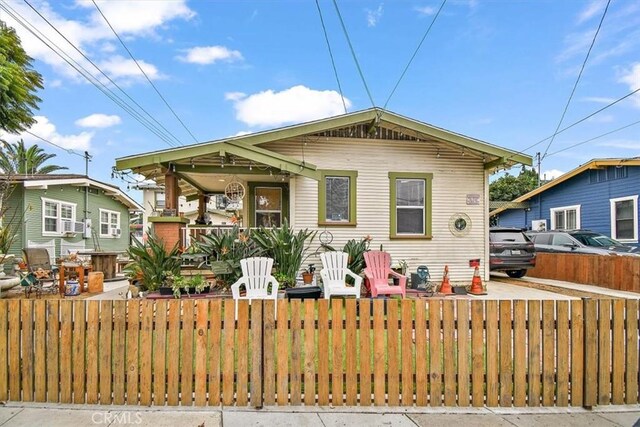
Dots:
{"x": 539, "y": 166}
{"x": 87, "y": 159}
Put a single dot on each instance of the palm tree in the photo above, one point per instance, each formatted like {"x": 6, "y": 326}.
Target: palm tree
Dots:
{"x": 18, "y": 159}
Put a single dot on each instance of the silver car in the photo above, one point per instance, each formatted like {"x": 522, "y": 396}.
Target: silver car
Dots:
{"x": 579, "y": 242}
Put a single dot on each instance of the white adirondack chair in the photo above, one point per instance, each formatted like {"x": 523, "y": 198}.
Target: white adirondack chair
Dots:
{"x": 334, "y": 273}
{"x": 256, "y": 277}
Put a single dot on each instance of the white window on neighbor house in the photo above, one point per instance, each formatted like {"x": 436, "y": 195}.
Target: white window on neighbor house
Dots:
{"x": 109, "y": 223}
{"x": 624, "y": 219}
{"x": 160, "y": 201}
{"x": 53, "y": 213}
{"x": 565, "y": 218}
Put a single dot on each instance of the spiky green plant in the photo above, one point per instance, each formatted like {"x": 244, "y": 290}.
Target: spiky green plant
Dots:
{"x": 152, "y": 263}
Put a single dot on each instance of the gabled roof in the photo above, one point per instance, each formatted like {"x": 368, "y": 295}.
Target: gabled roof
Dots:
{"x": 45, "y": 180}
{"x": 247, "y": 144}
{"x": 592, "y": 164}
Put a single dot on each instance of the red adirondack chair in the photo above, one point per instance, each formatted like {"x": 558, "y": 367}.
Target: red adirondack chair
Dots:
{"x": 378, "y": 270}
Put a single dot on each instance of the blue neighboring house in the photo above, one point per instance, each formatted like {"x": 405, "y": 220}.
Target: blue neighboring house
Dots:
{"x": 601, "y": 196}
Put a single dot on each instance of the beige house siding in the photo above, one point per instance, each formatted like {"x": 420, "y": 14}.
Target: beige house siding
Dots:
{"x": 454, "y": 176}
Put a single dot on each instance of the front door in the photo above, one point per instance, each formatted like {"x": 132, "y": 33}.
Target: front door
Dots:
{"x": 268, "y": 204}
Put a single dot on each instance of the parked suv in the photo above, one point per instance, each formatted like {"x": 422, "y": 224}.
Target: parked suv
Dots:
{"x": 511, "y": 251}
{"x": 579, "y": 242}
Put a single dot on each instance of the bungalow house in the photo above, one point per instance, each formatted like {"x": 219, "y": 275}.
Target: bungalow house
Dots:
{"x": 67, "y": 213}
{"x": 418, "y": 191}
{"x": 600, "y": 195}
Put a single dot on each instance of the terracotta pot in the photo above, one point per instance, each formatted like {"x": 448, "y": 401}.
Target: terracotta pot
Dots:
{"x": 307, "y": 278}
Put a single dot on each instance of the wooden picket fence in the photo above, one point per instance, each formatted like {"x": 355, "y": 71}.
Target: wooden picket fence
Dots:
{"x": 412, "y": 352}
{"x": 620, "y": 272}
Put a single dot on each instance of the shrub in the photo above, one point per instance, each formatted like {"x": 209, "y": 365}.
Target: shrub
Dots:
{"x": 152, "y": 263}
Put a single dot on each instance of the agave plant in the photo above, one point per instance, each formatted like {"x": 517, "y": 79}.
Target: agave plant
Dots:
{"x": 152, "y": 263}
{"x": 287, "y": 248}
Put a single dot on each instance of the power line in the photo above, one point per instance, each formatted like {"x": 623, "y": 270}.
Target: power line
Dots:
{"x": 333, "y": 63}
{"x": 594, "y": 138}
{"x": 415, "y": 52}
{"x": 353, "y": 53}
{"x": 68, "y": 150}
{"x": 165, "y": 136}
{"x": 143, "y": 72}
{"x": 573, "y": 91}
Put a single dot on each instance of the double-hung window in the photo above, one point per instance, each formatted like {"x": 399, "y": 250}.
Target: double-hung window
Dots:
{"x": 53, "y": 213}
{"x": 410, "y": 203}
{"x": 624, "y": 219}
{"x": 109, "y": 223}
{"x": 337, "y": 198}
{"x": 565, "y": 218}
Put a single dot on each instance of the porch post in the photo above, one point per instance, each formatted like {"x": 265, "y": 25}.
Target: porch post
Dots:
{"x": 202, "y": 203}
{"x": 171, "y": 190}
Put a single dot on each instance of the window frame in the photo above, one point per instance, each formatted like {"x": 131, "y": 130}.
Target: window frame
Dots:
{"x": 109, "y": 212}
{"x": 58, "y": 232}
{"x": 552, "y": 212}
{"x": 428, "y": 205}
{"x": 251, "y": 212}
{"x": 353, "y": 197}
{"x": 614, "y": 226}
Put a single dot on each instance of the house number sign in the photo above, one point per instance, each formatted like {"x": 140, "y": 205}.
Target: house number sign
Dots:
{"x": 473, "y": 199}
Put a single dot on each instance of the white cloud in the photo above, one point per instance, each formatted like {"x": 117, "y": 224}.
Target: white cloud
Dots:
{"x": 242, "y": 133}
{"x": 47, "y": 130}
{"x": 293, "y": 105}
{"x": 598, "y": 99}
{"x": 592, "y": 9}
{"x": 601, "y": 118}
{"x": 373, "y": 16}
{"x": 210, "y": 54}
{"x": 98, "y": 121}
{"x": 126, "y": 69}
{"x": 234, "y": 96}
{"x": 426, "y": 10}
{"x": 631, "y": 77}
{"x": 626, "y": 144}
{"x": 551, "y": 174}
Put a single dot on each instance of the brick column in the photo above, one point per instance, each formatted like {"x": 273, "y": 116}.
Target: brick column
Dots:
{"x": 168, "y": 229}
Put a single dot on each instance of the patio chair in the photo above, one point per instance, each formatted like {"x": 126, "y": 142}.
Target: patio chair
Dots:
{"x": 256, "y": 278}
{"x": 43, "y": 276}
{"x": 377, "y": 270}
{"x": 334, "y": 274}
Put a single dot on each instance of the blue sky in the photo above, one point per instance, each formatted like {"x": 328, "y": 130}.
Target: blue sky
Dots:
{"x": 500, "y": 71}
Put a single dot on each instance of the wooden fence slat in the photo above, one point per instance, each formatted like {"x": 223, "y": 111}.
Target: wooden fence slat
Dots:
{"x": 477, "y": 353}
{"x": 604, "y": 352}
{"x": 379, "y": 350}
{"x": 590, "y": 372}
{"x": 631, "y": 378}
{"x": 173, "y": 353}
{"x": 435, "y": 353}
{"x": 506, "y": 355}
{"x": 159, "y": 379}
{"x": 146, "y": 352}
{"x": 491, "y": 353}
{"x": 14, "y": 350}
{"x": 119, "y": 331}
{"x": 323, "y": 345}
{"x": 106, "y": 325}
{"x": 422, "y": 396}
{"x": 53, "y": 352}
{"x": 228, "y": 366}
{"x": 256, "y": 354}
{"x": 66, "y": 333}
{"x": 364, "y": 306}
{"x": 407, "y": 352}
{"x": 462, "y": 314}
{"x": 393, "y": 387}
{"x": 133, "y": 344}
{"x": 214, "y": 350}
{"x": 449, "y": 351}
{"x": 26, "y": 355}
{"x": 577, "y": 353}
{"x": 186, "y": 358}
{"x": 40, "y": 351}
{"x": 310, "y": 353}
{"x": 519, "y": 353}
{"x": 618, "y": 352}
{"x": 4, "y": 350}
{"x": 268, "y": 336}
{"x": 351, "y": 354}
{"x": 562, "y": 353}
{"x": 242, "y": 356}
{"x": 202, "y": 319}
{"x": 534, "y": 353}
{"x": 548, "y": 352}
{"x": 296, "y": 344}
{"x": 282, "y": 353}
{"x": 79, "y": 347}
{"x": 336, "y": 352}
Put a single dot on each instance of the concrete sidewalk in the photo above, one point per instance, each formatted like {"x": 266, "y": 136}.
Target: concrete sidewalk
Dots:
{"x": 93, "y": 415}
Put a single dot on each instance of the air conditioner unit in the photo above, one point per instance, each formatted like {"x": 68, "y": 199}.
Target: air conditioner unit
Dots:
{"x": 72, "y": 226}
{"x": 115, "y": 232}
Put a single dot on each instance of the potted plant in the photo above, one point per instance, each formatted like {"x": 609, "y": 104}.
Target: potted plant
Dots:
{"x": 182, "y": 285}
{"x": 307, "y": 275}
{"x": 151, "y": 264}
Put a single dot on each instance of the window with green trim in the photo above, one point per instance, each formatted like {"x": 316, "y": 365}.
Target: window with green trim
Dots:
{"x": 410, "y": 204}
{"x": 337, "y": 197}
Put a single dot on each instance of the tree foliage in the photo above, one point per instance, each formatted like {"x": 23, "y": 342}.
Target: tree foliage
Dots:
{"x": 18, "y": 83}
{"x": 509, "y": 187}
{"x": 18, "y": 159}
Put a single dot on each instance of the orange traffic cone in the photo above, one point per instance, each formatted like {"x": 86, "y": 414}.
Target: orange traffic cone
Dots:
{"x": 445, "y": 287}
{"x": 476, "y": 283}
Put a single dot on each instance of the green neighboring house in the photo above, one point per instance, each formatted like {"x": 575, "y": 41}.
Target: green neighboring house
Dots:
{"x": 53, "y": 209}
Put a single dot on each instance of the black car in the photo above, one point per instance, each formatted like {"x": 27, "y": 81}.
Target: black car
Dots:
{"x": 511, "y": 251}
